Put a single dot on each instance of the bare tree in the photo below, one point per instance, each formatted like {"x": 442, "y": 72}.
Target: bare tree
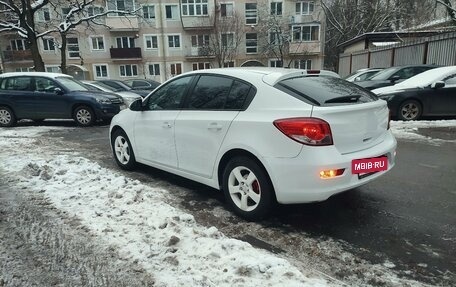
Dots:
{"x": 347, "y": 19}
{"x": 77, "y": 13}
{"x": 19, "y": 17}
{"x": 450, "y": 8}
{"x": 225, "y": 37}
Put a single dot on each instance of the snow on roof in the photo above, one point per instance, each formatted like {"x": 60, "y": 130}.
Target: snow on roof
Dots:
{"x": 41, "y": 74}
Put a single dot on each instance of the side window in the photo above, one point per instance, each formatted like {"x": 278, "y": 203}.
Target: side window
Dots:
{"x": 17, "y": 84}
{"x": 450, "y": 81}
{"x": 210, "y": 93}
{"x": 169, "y": 97}
{"x": 237, "y": 96}
{"x": 44, "y": 85}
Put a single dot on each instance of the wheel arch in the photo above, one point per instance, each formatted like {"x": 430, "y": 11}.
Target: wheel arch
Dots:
{"x": 235, "y": 153}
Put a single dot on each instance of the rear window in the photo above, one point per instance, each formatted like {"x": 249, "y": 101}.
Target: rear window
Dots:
{"x": 325, "y": 91}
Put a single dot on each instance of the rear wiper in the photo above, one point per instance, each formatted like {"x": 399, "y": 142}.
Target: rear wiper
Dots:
{"x": 345, "y": 99}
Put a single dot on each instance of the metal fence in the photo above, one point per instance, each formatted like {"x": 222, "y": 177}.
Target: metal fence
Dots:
{"x": 439, "y": 50}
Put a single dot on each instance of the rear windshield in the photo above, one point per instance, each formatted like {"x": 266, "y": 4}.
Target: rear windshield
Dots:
{"x": 325, "y": 91}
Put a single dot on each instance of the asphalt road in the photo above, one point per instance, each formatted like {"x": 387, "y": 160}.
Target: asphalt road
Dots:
{"x": 407, "y": 217}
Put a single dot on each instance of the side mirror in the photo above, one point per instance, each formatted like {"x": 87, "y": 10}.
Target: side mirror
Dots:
{"x": 58, "y": 91}
{"x": 136, "y": 105}
{"x": 438, "y": 85}
{"x": 395, "y": 79}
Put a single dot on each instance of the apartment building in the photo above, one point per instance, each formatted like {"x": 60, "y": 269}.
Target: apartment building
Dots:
{"x": 169, "y": 37}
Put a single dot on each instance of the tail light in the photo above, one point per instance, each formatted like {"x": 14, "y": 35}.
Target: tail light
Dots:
{"x": 308, "y": 131}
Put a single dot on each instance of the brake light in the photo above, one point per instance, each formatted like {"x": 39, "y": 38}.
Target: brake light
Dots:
{"x": 309, "y": 131}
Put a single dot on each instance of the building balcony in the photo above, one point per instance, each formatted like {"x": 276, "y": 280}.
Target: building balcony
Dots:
{"x": 126, "y": 53}
{"x": 123, "y": 23}
{"x": 16, "y": 56}
{"x": 199, "y": 52}
{"x": 200, "y": 22}
{"x": 305, "y": 48}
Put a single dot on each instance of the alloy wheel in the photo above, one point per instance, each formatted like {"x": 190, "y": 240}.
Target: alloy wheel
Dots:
{"x": 122, "y": 150}
{"x": 244, "y": 188}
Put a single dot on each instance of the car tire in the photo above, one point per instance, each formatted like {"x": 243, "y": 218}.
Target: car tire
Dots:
{"x": 247, "y": 188}
{"x": 84, "y": 116}
{"x": 122, "y": 150}
{"x": 7, "y": 117}
{"x": 409, "y": 110}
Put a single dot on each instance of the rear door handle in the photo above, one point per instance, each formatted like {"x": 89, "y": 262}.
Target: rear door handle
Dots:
{"x": 214, "y": 126}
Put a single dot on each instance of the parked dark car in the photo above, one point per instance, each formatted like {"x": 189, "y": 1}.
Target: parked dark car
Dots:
{"x": 39, "y": 96}
{"x": 393, "y": 75}
{"x": 121, "y": 86}
{"x": 431, "y": 93}
{"x": 142, "y": 84}
{"x": 362, "y": 74}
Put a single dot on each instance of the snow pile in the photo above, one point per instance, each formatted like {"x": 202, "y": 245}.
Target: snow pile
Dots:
{"x": 135, "y": 219}
{"x": 408, "y": 130}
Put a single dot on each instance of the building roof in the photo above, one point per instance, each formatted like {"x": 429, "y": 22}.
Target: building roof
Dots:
{"x": 387, "y": 37}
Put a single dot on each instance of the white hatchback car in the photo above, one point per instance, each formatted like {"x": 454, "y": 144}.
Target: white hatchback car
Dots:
{"x": 262, "y": 135}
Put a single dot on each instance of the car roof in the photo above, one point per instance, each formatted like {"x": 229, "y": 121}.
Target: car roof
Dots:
{"x": 36, "y": 74}
{"x": 268, "y": 75}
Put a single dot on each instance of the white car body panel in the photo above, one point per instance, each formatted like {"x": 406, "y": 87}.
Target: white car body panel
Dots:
{"x": 192, "y": 143}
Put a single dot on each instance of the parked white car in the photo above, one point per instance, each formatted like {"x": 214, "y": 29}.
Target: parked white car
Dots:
{"x": 362, "y": 74}
{"x": 262, "y": 135}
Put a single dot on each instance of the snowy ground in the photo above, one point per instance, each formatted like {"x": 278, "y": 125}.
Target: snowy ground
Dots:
{"x": 135, "y": 219}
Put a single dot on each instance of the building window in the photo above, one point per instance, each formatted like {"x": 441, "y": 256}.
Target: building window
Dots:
{"x": 53, "y": 69}
{"x": 128, "y": 70}
{"x": 151, "y": 42}
{"x": 306, "y": 33}
{"x": 24, "y": 69}
{"x": 174, "y": 41}
{"x": 48, "y": 44}
{"x": 251, "y": 43}
{"x": 251, "y": 13}
{"x": 275, "y": 38}
{"x": 276, "y": 8}
{"x": 65, "y": 12}
{"x": 227, "y": 40}
{"x": 200, "y": 41}
{"x": 201, "y": 66}
{"x": 171, "y": 12}
{"x": 228, "y": 64}
{"x": 44, "y": 14}
{"x": 226, "y": 9}
{"x": 95, "y": 10}
{"x": 125, "y": 42}
{"x": 19, "y": 44}
{"x": 176, "y": 69}
{"x": 303, "y": 64}
{"x": 275, "y": 63}
{"x": 97, "y": 43}
{"x": 73, "y": 47}
{"x": 121, "y": 5}
{"x": 154, "y": 69}
{"x": 304, "y": 7}
{"x": 148, "y": 12}
{"x": 194, "y": 7}
{"x": 101, "y": 71}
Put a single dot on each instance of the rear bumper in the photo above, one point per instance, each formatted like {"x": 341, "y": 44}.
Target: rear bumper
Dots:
{"x": 297, "y": 180}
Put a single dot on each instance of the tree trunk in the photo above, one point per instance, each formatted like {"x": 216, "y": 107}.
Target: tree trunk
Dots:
{"x": 63, "y": 59}
{"x": 36, "y": 55}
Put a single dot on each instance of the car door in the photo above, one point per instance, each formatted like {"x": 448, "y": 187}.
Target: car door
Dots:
{"x": 19, "y": 91}
{"x": 154, "y": 127}
{"x": 51, "y": 103}
{"x": 204, "y": 121}
{"x": 443, "y": 100}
